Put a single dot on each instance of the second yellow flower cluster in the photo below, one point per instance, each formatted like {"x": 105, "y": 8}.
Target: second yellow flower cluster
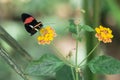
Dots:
{"x": 104, "y": 34}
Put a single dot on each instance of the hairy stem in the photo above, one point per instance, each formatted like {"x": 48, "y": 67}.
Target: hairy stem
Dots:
{"x": 76, "y": 56}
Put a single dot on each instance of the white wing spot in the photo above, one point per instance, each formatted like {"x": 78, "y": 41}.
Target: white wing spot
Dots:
{"x": 31, "y": 26}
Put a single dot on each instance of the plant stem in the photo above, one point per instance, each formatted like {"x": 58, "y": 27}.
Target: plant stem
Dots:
{"x": 77, "y": 75}
{"x": 92, "y": 21}
{"x": 73, "y": 73}
{"x": 89, "y": 53}
{"x": 76, "y": 56}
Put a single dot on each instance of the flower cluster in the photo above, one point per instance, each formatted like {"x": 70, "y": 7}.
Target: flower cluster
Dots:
{"x": 104, "y": 34}
{"x": 46, "y": 35}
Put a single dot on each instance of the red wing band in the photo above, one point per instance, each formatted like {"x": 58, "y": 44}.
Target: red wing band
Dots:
{"x": 28, "y": 20}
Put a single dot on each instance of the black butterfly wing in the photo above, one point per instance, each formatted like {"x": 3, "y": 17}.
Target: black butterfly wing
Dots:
{"x": 30, "y": 30}
{"x": 29, "y": 23}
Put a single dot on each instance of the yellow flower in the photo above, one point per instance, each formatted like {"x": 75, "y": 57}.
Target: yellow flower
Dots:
{"x": 46, "y": 35}
{"x": 104, "y": 34}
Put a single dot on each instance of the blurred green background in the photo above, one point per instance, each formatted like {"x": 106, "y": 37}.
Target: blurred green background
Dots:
{"x": 57, "y": 13}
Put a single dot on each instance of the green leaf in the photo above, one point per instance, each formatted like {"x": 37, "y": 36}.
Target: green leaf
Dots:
{"x": 72, "y": 27}
{"x": 114, "y": 10}
{"x": 104, "y": 65}
{"x": 86, "y": 28}
{"x": 47, "y": 65}
{"x": 64, "y": 73}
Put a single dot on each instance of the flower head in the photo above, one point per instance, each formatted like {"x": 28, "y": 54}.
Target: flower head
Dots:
{"x": 104, "y": 34}
{"x": 46, "y": 35}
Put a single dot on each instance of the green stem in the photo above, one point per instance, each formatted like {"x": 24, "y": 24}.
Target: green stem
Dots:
{"x": 73, "y": 73}
{"x": 76, "y": 56}
{"x": 76, "y": 75}
{"x": 89, "y": 53}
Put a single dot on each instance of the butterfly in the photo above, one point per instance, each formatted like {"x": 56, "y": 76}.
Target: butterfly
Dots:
{"x": 31, "y": 24}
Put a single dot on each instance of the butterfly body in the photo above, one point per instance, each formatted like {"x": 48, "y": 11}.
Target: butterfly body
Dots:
{"x": 31, "y": 24}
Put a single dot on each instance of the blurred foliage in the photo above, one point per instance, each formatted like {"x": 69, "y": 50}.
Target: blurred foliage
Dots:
{"x": 4, "y": 70}
{"x": 113, "y": 7}
{"x": 38, "y": 7}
